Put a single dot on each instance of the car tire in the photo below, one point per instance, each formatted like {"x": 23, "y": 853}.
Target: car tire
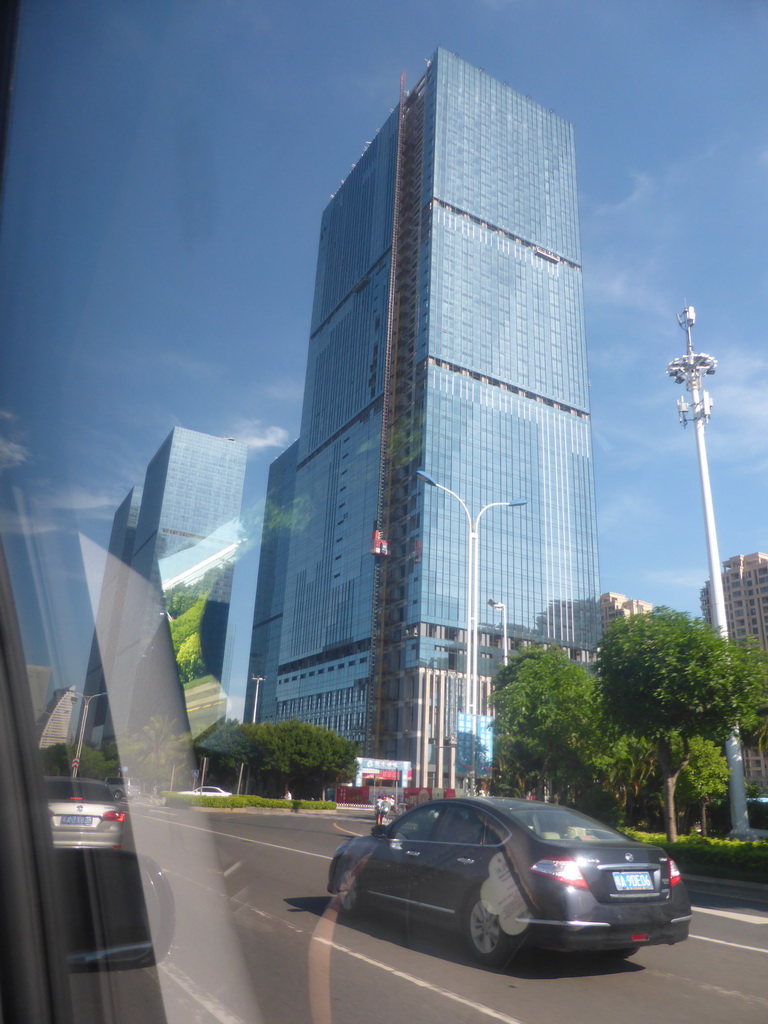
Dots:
{"x": 486, "y": 940}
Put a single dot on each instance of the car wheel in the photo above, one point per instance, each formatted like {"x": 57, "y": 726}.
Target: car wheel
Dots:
{"x": 487, "y": 941}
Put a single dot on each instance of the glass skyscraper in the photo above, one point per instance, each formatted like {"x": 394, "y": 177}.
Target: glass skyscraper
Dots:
{"x": 168, "y": 579}
{"x": 447, "y": 335}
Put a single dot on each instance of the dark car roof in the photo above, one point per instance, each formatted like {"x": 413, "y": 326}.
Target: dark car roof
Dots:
{"x": 526, "y": 812}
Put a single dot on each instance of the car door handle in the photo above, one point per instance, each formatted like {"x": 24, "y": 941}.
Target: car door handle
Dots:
{"x": 465, "y": 860}
{"x": 413, "y": 853}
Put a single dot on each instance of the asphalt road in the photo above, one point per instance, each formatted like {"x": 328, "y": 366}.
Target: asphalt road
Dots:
{"x": 256, "y": 942}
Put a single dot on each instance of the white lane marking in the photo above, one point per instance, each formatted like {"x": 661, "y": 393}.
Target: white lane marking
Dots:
{"x": 234, "y": 867}
{"x": 734, "y": 915}
{"x": 454, "y": 997}
{"x": 203, "y": 998}
{"x": 733, "y": 945}
{"x": 256, "y": 842}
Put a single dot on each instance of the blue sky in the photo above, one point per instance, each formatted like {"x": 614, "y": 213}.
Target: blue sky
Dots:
{"x": 168, "y": 166}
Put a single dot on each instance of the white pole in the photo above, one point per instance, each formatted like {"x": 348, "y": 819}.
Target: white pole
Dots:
{"x": 689, "y": 370}
{"x": 86, "y": 705}
{"x": 472, "y": 703}
{"x": 506, "y": 634}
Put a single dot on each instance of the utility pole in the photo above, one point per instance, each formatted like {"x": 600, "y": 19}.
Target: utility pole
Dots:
{"x": 689, "y": 370}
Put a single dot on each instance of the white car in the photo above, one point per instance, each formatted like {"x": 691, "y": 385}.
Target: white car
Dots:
{"x": 205, "y": 791}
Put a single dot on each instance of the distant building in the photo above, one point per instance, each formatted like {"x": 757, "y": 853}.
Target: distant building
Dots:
{"x": 447, "y": 335}
{"x": 615, "y": 606}
{"x": 39, "y": 682}
{"x": 745, "y": 591}
{"x": 745, "y": 594}
{"x": 53, "y": 725}
{"x": 168, "y": 582}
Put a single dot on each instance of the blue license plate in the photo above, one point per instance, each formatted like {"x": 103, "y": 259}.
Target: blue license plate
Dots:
{"x": 632, "y": 881}
{"x": 76, "y": 819}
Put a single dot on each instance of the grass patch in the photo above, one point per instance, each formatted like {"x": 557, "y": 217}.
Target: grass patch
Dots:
{"x": 192, "y": 800}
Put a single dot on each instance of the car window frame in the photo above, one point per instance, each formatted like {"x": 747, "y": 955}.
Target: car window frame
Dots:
{"x": 34, "y": 976}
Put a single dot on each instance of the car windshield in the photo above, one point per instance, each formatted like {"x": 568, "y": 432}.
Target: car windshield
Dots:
{"x": 297, "y": 468}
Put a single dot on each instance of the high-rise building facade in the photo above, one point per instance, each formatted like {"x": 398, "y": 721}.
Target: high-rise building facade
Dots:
{"x": 171, "y": 562}
{"x": 745, "y": 594}
{"x": 619, "y": 606}
{"x": 447, "y": 335}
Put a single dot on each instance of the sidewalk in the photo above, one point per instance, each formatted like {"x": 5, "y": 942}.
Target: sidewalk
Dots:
{"x": 738, "y": 887}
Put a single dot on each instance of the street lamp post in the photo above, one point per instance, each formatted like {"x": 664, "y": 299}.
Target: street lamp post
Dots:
{"x": 473, "y": 577}
{"x": 689, "y": 370}
{"x": 499, "y": 606}
{"x": 86, "y": 702}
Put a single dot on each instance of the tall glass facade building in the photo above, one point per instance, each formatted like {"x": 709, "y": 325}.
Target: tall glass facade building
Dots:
{"x": 447, "y": 335}
{"x": 170, "y": 566}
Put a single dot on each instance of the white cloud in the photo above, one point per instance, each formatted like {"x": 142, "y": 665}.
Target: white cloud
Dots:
{"x": 257, "y": 437}
{"x": 75, "y": 498}
{"x": 643, "y": 190}
{"x": 11, "y": 454}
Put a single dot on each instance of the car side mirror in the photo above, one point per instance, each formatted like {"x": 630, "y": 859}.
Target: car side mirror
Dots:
{"x": 117, "y": 909}
{"x": 379, "y": 831}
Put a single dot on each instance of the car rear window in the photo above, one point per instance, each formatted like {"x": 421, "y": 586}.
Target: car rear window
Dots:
{"x": 555, "y": 822}
{"x": 65, "y": 788}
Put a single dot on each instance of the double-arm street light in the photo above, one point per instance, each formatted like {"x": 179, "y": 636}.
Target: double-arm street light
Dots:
{"x": 473, "y": 577}
{"x": 689, "y": 370}
{"x": 86, "y": 704}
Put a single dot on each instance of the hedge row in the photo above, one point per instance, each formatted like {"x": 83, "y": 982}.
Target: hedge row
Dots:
{"x": 192, "y": 800}
{"x": 719, "y": 858}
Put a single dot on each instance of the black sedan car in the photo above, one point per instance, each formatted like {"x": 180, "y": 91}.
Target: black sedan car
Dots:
{"x": 511, "y": 872}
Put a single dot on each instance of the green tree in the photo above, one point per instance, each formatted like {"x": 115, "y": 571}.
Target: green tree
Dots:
{"x": 630, "y": 774}
{"x": 94, "y": 764}
{"x": 189, "y": 658}
{"x": 668, "y": 678}
{"x": 548, "y": 721}
{"x": 704, "y": 777}
{"x": 185, "y": 635}
{"x": 157, "y": 750}
{"x": 227, "y": 745}
{"x": 298, "y": 756}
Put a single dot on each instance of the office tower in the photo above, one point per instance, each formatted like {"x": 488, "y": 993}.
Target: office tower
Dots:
{"x": 447, "y": 335}
{"x": 168, "y": 581}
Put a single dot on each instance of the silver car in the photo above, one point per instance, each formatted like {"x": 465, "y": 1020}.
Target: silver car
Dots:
{"x": 84, "y": 813}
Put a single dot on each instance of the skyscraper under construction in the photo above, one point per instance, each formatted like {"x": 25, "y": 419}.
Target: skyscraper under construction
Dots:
{"x": 447, "y": 337}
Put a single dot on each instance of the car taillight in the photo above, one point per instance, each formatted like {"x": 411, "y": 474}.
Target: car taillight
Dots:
{"x": 566, "y": 871}
{"x": 674, "y": 874}
{"x": 113, "y": 816}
